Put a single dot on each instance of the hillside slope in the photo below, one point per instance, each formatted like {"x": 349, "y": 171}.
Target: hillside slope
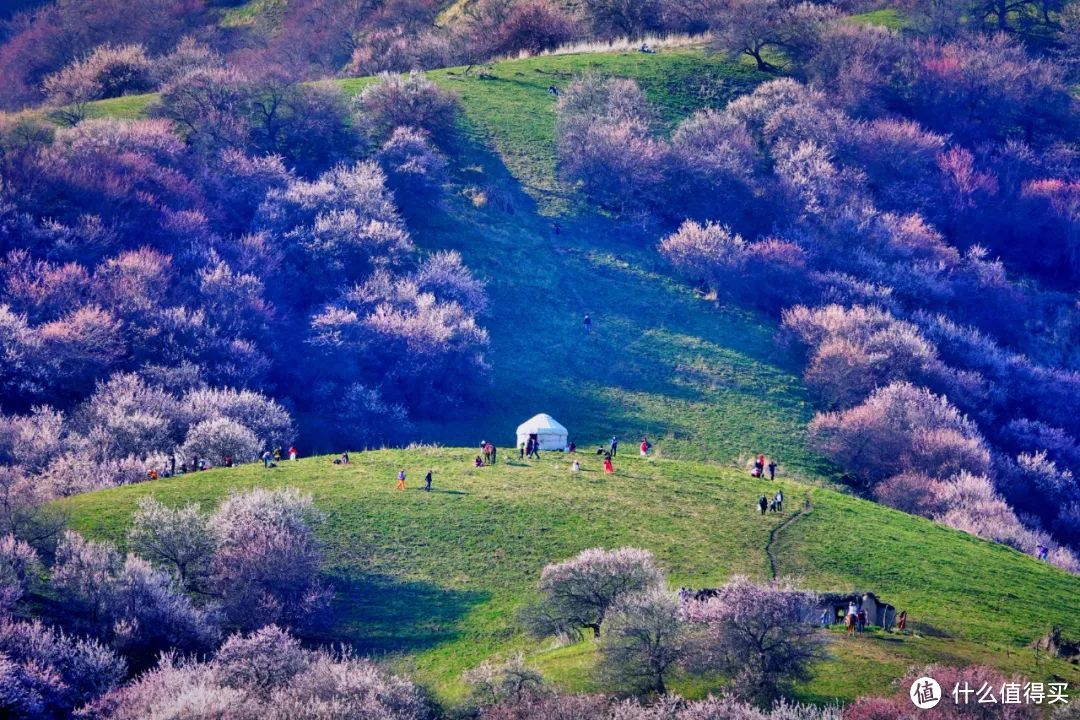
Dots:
{"x": 435, "y": 578}
{"x": 662, "y": 362}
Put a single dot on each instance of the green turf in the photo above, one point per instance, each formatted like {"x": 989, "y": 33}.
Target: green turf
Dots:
{"x": 434, "y": 579}
{"x": 249, "y": 12}
{"x": 892, "y": 18}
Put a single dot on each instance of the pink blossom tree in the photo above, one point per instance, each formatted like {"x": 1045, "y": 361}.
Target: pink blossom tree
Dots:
{"x": 266, "y": 564}
{"x": 576, "y": 594}
{"x": 756, "y": 634}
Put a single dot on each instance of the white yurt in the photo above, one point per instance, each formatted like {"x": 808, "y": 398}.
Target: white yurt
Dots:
{"x": 548, "y": 431}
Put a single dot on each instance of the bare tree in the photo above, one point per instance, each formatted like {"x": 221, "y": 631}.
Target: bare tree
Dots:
{"x": 757, "y": 28}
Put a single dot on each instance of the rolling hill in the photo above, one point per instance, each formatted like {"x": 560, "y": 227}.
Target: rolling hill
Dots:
{"x": 433, "y": 580}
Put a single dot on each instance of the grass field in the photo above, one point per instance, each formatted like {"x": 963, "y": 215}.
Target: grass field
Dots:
{"x": 433, "y": 580}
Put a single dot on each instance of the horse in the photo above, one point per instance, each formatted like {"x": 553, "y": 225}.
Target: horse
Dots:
{"x": 849, "y": 624}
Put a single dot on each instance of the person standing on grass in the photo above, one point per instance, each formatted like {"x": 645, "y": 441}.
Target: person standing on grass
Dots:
{"x": 587, "y": 323}
{"x": 521, "y": 452}
{"x": 427, "y": 481}
{"x": 494, "y": 453}
{"x": 779, "y": 501}
{"x": 266, "y": 458}
{"x": 292, "y": 453}
{"x": 614, "y": 446}
{"x": 772, "y": 470}
{"x": 901, "y": 622}
{"x": 645, "y": 447}
{"x": 609, "y": 469}
{"x": 763, "y": 504}
{"x": 401, "y": 480}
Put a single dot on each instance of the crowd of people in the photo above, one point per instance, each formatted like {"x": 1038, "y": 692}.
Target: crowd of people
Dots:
{"x": 855, "y": 620}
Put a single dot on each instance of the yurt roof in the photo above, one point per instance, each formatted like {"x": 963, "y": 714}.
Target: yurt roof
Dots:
{"x": 542, "y": 423}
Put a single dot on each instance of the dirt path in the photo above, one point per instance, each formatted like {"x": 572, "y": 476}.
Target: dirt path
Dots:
{"x": 807, "y": 507}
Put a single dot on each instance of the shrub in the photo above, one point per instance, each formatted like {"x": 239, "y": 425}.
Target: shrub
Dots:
{"x": 397, "y": 50}
{"x": 211, "y": 105}
{"x": 308, "y": 125}
{"x": 266, "y": 564}
{"x": 46, "y": 673}
{"x": 266, "y": 676}
{"x": 756, "y": 634}
{"x": 188, "y": 56}
{"x": 621, "y": 165}
{"x": 445, "y": 274}
{"x": 578, "y": 593}
{"x": 856, "y": 62}
{"x": 151, "y": 615}
{"x": 414, "y": 168}
{"x": 501, "y": 28}
{"x": 341, "y": 226}
{"x": 710, "y": 252}
{"x": 18, "y": 565}
{"x": 900, "y": 159}
{"x": 23, "y": 512}
{"x": 604, "y": 140}
{"x": 853, "y": 351}
{"x": 971, "y": 504}
{"x": 510, "y": 683}
{"x": 982, "y": 87}
{"x": 129, "y": 417}
{"x": 135, "y": 607}
{"x": 422, "y": 345}
{"x": 714, "y": 162}
{"x": 974, "y": 678}
{"x": 263, "y": 416}
{"x": 106, "y": 72}
{"x": 644, "y": 638}
{"x": 911, "y": 492}
{"x": 266, "y": 659}
{"x": 611, "y": 19}
{"x": 408, "y": 100}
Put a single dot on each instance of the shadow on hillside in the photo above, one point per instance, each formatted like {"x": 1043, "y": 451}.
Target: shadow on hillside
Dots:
{"x": 379, "y": 614}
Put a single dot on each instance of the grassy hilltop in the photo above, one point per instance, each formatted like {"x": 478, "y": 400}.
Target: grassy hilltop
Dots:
{"x": 435, "y": 579}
